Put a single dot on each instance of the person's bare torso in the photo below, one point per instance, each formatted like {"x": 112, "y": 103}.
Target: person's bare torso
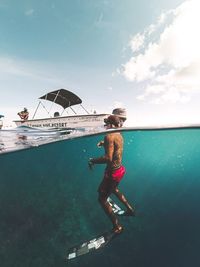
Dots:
{"x": 113, "y": 145}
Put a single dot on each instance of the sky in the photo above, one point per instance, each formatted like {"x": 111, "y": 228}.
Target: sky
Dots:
{"x": 141, "y": 55}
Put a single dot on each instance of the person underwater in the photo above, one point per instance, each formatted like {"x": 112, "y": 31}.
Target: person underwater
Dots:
{"x": 114, "y": 171}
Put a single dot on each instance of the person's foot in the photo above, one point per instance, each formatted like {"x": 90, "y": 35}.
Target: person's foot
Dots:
{"x": 118, "y": 229}
{"x": 129, "y": 212}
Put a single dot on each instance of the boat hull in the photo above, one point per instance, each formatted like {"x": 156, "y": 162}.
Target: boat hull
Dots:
{"x": 91, "y": 120}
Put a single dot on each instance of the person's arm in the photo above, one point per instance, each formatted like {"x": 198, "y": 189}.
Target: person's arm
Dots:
{"x": 20, "y": 115}
{"x": 107, "y": 158}
{"x": 26, "y": 115}
{"x": 100, "y": 144}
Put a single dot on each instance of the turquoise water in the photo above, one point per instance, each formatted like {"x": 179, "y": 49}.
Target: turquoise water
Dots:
{"x": 49, "y": 202}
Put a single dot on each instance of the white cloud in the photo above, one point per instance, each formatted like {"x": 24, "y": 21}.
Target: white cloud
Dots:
{"x": 162, "y": 18}
{"x": 13, "y": 67}
{"x": 29, "y": 12}
{"x": 159, "y": 94}
{"x": 172, "y": 62}
{"x": 137, "y": 42}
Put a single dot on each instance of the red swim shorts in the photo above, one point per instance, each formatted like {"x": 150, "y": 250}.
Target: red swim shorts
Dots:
{"x": 117, "y": 174}
{"x": 111, "y": 180}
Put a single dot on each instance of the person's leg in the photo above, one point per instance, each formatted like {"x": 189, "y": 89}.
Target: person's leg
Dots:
{"x": 121, "y": 197}
{"x": 105, "y": 189}
{"x": 109, "y": 212}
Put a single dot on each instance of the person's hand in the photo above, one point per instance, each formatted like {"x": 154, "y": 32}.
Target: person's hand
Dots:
{"x": 100, "y": 144}
{"x": 90, "y": 164}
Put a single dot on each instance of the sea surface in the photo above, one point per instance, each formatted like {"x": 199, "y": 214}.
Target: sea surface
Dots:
{"x": 48, "y": 198}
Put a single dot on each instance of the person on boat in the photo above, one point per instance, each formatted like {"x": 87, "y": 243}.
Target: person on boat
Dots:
{"x": 24, "y": 114}
{"x": 114, "y": 171}
{"x": 1, "y": 122}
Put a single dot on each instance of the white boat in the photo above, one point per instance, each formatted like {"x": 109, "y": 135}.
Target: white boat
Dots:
{"x": 65, "y": 99}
